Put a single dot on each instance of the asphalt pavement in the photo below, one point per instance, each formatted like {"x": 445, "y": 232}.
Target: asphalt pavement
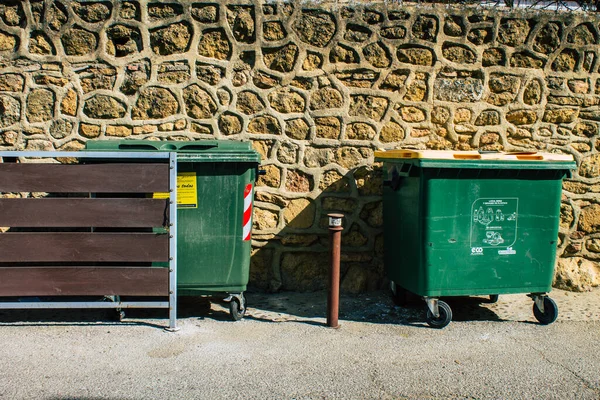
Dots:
{"x": 282, "y": 350}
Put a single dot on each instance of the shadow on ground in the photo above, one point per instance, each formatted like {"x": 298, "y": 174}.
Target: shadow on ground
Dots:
{"x": 309, "y": 308}
{"x": 374, "y": 307}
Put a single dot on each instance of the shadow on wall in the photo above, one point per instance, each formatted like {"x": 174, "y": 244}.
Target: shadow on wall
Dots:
{"x": 291, "y": 236}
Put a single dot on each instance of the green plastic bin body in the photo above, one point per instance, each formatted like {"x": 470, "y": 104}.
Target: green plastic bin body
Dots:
{"x": 213, "y": 251}
{"x": 471, "y": 227}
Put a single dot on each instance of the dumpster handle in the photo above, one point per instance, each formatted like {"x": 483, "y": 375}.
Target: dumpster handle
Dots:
{"x": 467, "y": 156}
{"x": 168, "y": 146}
{"x": 198, "y": 146}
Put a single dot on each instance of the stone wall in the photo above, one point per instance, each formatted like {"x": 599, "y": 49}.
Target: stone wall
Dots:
{"x": 316, "y": 88}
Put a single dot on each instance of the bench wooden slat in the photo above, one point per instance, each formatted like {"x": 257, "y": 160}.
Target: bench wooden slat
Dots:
{"x": 83, "y": 247}
{"x": 59, "y": 281}
{"x": 72, "y": 212}
{"x": 84, "y": 178}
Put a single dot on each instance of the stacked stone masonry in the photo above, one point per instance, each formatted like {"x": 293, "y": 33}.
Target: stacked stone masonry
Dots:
{"x": 316, "y": 88}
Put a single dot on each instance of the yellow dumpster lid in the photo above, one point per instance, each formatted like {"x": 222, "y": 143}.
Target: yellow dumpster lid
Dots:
{"x": 471, "y": 155}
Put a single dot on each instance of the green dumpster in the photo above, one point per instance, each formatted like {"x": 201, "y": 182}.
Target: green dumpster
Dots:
{"x": 471, "y": 223}
{"x": 215, "y": 182}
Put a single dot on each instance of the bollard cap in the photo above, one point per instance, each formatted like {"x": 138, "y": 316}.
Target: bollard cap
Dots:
{"x": 335, "y": 220}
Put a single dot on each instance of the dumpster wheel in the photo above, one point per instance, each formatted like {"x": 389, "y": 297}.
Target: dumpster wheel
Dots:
{"x": 444, "y": 318}
{"x": 237, "y": 307}
{"x": 493, "y": 298}
{"x": 549, "y": 313}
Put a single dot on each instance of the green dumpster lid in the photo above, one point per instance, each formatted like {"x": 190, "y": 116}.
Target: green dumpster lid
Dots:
{"x": 199, "y": 151}
{"x": 476, "y": 159}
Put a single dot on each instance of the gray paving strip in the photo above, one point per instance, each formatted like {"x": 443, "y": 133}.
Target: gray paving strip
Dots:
{"x": 282, "y": 350}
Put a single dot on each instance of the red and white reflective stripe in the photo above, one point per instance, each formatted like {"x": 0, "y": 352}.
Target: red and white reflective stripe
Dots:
{"x": 247, "y": 220}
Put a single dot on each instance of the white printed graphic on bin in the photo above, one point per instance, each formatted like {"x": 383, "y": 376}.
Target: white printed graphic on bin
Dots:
{"x": 494, "y": 225}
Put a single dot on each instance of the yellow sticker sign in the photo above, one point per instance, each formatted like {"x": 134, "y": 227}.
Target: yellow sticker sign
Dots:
{"x": 187, "y": 191}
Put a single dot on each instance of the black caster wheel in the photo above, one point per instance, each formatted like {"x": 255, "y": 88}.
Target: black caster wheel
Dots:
{"x": 550, "y": 312}
{"x": 445, "y": 316}
{"x": 493, "y": 298}
{"x": 117, "y": 315}
{"x": 236, "y": 312}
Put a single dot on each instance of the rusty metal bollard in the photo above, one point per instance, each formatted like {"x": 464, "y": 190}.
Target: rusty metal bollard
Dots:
{"x": 333, "y": 296}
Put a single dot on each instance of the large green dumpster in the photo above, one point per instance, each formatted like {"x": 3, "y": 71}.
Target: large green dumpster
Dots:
{"x": 215, "y": 182}
{"x": 470, "y": 223}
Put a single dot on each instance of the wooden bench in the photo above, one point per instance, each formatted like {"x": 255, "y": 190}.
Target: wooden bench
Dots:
{"x": 96, "y": 231}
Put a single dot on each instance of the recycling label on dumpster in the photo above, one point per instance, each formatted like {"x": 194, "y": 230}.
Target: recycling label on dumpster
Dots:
{"x": 494, "y": 225}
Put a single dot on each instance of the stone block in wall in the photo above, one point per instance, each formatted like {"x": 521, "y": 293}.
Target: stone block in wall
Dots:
{"x": 271, "y": 177}
{"x": 297, "y": 128}
{"x": 416, "y": 55}
{"x": 264, "y": 124}
{"x": 328, "y": 128}
{"x": 230, "y": 124}
{"x": 368, "y": 106}
{"x": 118, "y": 130}
{"x": 267, "y": 197}
{"x": 493, "y": 56}
{"x": 69, "y": 103}
{"x": 479, "y": 36}
{"x": 333, "y": 181}
{"x": 78, "y": 41}
{"x": 206, "y": 13}
{"x": 360, "y": 131}
{"x": 303, "y": 271}
{"x": 198, "y": 102}
{"x": 513, "y": 32}
{"x": 130, "y": 10}
{"x": 12, "y": 13}
{"x": 315, "y": 27}
{"x": 326, "y": 98}
{"x": 312, "y": 61}
{"x": 11, "y": 82}
{"x": 261, "y": 269}
{"x": 89, "y": 131}
{"x": 532, "y": 94}
{"x": 214, "y": 43}
{"x": 548, "y": 38}
{"x": 104, "y": 107}
{"x": 356, "y": 279}
{"x": 171, "y": 39}
{"x": 560, "y": 115}
{"x": 287, "y": 101}
{"x": 300, "y": 213}
{"x": 589, "y": 219}
{"x": 92, "y": 12}
{"x": 9, "y": 138}
{"x": 40, "y": 105}
{"x": 282, "y": 59}
{"x": 368, "y": 180}
{"x": 353, "y": 236}
{"x": 458, "y": 86}
{"x": 263, "y": 219}
{"x": 41, "y": 44}
{"x": 576, "y": 274}
{"x": 287, "y": 153}
{"x": 249, "y": 103}
{"x": 11, "y": 111}
{"x": 155, "y": 103}
{"x": 339, "y": 204}
{"x": 60, "y": 129}
{"x": 294, "y": 240}
{"x": 298, "y": 181}
{"x": 392, "y": 132}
